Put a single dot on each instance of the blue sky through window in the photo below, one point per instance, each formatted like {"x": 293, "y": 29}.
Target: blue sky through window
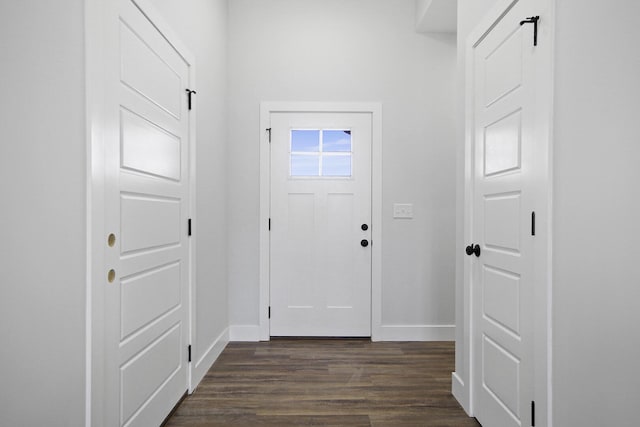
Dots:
{"x": 336, "y": 166}
{"x": 336, "y": 140}
{"x": 305, "y": 140}
{"x": 302, "y": 165}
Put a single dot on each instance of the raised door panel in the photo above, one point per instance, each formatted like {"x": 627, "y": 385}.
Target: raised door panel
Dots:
{"x": 138, "y": 309}
{"x": 148, "y": 148}
{"x": 502, "y": 141}
{"x": 149, "y": 222}
{"x": 501, "y": 298}
{"x": 502, "y": 221}
{"x": 503, "y": 68}
{"x": 143, "y": 375}
{"x": 340, "y": 251}
{"x": 501, "y": 376}
{"x": 300, "y": 226}
{"x": 148, "y": 73}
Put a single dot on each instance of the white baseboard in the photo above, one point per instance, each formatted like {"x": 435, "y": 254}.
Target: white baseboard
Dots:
{"x": 460, "y": 392}
{"x": 415, "y": 333}
{"x": 249, "y": 333}
{"x": 204, "y": 363}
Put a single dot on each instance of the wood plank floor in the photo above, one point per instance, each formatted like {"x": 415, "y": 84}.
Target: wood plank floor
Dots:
{"x": 321, "y": 382}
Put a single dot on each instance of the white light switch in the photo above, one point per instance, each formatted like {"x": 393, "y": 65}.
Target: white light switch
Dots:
{"x": 403, "y": 210}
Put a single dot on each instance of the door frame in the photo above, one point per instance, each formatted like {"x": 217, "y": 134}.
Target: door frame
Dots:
{"x": 99, "y": 128}
{"x": 375, "y": 109}
{"x": 462, "y": 382}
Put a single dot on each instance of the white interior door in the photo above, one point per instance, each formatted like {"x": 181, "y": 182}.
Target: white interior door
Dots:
{"x": 502, "y": 283}
{"x": 320, "y": 251}
{"x": 147, "y": 191}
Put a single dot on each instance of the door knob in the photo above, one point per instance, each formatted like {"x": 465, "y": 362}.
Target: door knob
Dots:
{"x": 364, "y": 227}
{"x": 364, "y": 243}
{"x": 473, "y": 249}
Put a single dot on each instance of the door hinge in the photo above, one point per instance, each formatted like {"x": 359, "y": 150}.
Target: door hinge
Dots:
{"x": 532, "y": 20}
{"x": 189, "y": 353}
{"x": 269, "y": 224}
{"x": 269, "y": 312}
{"x": 533, "y": 223}
{"x": 533, "y": 414}
{"x": 269, "y": 130}
{"x": 189, "y": 93}
{"x": 189, "y": 227}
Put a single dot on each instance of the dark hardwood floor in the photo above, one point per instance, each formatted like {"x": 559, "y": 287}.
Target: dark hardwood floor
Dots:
{"x": 350, "y": 382}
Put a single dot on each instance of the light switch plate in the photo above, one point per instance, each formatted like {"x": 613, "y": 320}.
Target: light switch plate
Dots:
{"x": 403, "y": 210}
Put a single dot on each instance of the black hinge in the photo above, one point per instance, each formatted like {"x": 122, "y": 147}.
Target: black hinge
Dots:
{"x": 269, "y": 130}
{"x": 532, "y": 20}
{"x": 189, "y": 352}
{"x": 189, "y": 93}
{"x": 269, "y": 224}
{"x": 533, "y": 223}
{"x": 189, "y": 227}
{"x": 269, "y": 313}
{"x": 533, "y": 414}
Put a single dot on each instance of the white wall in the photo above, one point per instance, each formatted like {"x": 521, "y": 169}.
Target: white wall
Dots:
{"x": 42, "y": 219}
{"x": 356, "y": 50}
{"x": 470, "y": 13}
{"x": 202, "y": 26}
{"x": 596, "y": 280}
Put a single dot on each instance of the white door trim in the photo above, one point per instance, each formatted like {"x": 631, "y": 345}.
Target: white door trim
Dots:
{"x": 375, "y": 109}
{"x": 97, "y": 60}
{"x": 462, "y": 382}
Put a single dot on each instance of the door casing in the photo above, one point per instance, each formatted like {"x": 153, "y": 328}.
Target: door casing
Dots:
{"x": 462, "y": 382}
{"x": 375, "y": 109}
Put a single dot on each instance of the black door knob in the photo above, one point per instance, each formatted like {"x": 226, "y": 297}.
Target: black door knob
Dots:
{"x": 364, "y": 227}
{"x": 364, "y": 243}
{"x": 473, "y": 249}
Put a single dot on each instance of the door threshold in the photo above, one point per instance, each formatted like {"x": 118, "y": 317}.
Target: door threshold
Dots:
{"x": 308, "y": 338}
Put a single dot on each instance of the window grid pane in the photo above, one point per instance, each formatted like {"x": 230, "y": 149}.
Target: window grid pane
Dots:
{"x": 305, "y": 140}
{"x": 320, "y": 153}
{"x": 336, "y": 141}
{"x": 305, "y": 165}
{"x": 336, "y": 165}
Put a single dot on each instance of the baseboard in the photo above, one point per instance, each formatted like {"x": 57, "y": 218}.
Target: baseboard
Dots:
{"x": 205, "y": 362}
{"x": 460, "y": 392}
{"x": 415, "y": 333}
{"x": 249, "y": 333}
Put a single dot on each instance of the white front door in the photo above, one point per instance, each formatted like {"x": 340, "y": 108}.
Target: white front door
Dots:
{"x": 502, "y": 272}
{"x": 146, "y": 201}
{"x": 320, "y": 248}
